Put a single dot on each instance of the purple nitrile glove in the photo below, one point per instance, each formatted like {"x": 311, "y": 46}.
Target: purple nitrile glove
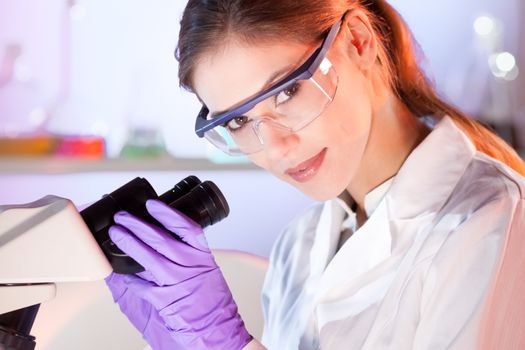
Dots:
{"x": 181, "y": 280}
{"x": 140, "y": 312}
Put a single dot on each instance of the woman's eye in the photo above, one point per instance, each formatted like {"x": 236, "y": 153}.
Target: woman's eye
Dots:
{"x": 287, "y": 94}
{"x": 236, "y": 123}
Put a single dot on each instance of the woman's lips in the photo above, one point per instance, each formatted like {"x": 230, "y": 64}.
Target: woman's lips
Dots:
{"x": 307, "y": 169}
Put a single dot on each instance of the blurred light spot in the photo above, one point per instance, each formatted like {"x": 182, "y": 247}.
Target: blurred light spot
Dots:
{"x": 503, "y": 66}
{"x": 484, "y": 25}
{"x": 505, "y": 62}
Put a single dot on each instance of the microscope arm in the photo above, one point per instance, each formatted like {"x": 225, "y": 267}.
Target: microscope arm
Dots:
{"x": 42, "y": 243}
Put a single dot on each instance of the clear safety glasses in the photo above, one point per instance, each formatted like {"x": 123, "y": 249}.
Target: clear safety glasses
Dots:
{"x": 286, "y": 107}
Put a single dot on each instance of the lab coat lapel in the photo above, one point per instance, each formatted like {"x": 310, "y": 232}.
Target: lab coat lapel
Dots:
{"x": 326, "y": 238}
{"x": 364, "y": 249}
{"x": 355, "y": 278}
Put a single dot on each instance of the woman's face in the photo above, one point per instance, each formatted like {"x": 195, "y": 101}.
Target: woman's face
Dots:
{"x": 322, "y": 158}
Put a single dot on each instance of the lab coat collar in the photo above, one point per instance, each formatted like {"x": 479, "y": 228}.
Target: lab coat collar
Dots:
{"x": 426, "y": 179}
{"x": 371, "y": 200}
{"x": 326, "y": 238}
{"x": 425, "y": 182}
{"x": 329, "y": 229}
{"x": 374, "y": 197}
{"x": 329, "y": 269}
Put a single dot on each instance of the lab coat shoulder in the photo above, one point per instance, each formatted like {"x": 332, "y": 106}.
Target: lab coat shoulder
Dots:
{"x": 508, "y": 177}
{"x": 503, "y": 318}
{"x": 485, "y": 184}
{"x": 469, "y": 240}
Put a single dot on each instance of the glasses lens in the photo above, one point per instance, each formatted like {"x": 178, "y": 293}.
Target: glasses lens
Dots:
{"x": 292, "y": 108}
{"x": 243, "y": 140}
{"x": 305, "y": 100}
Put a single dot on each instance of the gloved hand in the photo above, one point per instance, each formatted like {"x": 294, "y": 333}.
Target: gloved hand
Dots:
{"x": 181, "y": 281}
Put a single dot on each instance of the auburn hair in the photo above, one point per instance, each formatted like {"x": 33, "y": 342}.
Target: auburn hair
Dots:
{"x": 207, "y": 24}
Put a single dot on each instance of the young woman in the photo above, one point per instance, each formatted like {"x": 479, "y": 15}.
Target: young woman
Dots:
{"x": 417, "y": 242}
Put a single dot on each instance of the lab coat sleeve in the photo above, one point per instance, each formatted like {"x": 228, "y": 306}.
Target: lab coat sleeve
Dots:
{"x": 273, "y": 290}
{"x": 288, "y": 269}
{"x": 459, "y": 278}
{"x": 274, "y": 287}
{"x": 503, "y": 322}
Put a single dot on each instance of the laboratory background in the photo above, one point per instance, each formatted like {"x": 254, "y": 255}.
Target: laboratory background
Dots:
{"x": 89, "y": 99}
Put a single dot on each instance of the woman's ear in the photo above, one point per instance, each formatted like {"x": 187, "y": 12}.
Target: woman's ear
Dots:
{"x": 360, "y": 41}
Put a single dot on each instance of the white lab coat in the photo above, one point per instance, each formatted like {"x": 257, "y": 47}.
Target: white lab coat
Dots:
{"x": 417, "y": 274}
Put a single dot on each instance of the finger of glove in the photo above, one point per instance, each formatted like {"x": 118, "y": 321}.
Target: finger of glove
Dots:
{"x": 163, "y": 271}
{"x": 163, "y": 241}
{"x": 195, "y": 271}
{"x": 201, "y": 302}
{"x": 187, "y": 294}
{"x": 184, "y": 227}
{"x": 158, "y": 296}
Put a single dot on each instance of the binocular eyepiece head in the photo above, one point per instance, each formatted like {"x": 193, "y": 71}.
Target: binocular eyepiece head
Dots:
{"x": 202, "y": 202}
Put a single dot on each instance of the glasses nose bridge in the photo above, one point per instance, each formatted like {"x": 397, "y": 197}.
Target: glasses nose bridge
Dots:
{"x": 263, "y": 113}
{"x": 271, "y": 133}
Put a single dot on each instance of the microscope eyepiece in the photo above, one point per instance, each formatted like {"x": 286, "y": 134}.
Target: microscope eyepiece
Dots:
{"x": 202, "y": 202}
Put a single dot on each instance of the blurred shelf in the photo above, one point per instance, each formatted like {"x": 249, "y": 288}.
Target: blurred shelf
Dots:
{"x": 43, "y": 165}
{"x": 71, "y": 165}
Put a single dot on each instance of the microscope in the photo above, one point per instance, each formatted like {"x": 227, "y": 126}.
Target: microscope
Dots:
{"x": 48, "y": 241}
